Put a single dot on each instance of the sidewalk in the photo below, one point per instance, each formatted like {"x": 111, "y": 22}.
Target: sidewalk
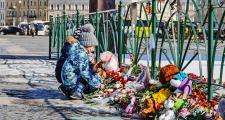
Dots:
{"x": 28, "y": 90}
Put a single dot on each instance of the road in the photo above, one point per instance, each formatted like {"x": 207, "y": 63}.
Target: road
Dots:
{"x": 24, "y": 45}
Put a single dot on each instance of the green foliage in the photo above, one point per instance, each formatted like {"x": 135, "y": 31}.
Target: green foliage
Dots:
{"x": 136, "y": 70}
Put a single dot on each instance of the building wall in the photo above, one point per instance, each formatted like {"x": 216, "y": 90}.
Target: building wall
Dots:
{"x": 56, "y": 7}
{"x": 2, "y": 12}
{"x": 25, "y": 10}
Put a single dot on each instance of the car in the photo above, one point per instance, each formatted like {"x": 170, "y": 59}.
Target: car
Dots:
{"x": 1, "y": 27}
{"x": 12, "y": 30}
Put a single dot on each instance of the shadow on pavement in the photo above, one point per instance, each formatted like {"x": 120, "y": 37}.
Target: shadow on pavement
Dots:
{"x": 38, "y": 93}
{"x": 23, "y": 57}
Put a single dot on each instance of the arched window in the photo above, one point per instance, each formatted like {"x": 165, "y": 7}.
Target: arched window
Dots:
{"x": 82, "y": 6}
{"x": 51, "y": 6}
{"x": 76, "y": 7}
{"x": 57, "y": 6}
{"x": 69, "y": 7}
{"x": 40, "y": 13}
{"x": 64, "y": 7}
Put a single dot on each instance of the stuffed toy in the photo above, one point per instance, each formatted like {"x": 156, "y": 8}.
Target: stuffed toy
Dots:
{"x": 182, "y": 83}
{"x": 167, "y": 72}
{"x": 149, "y": 108}
{"x": 110, "y": 61}
{"x": 184, "y": 112}
{"x": 176, "y": 78}
{"x": 130, "y": 108}
{"x": 168, "y": 114}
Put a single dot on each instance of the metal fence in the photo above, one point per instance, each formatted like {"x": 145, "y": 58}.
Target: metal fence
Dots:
{"x": 160, "y": 29}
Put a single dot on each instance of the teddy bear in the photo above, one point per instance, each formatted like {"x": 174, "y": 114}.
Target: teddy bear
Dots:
{"x": 179, "y": 79}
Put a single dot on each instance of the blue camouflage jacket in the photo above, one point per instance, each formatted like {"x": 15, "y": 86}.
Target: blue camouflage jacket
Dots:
{"x": 77, "y": 67}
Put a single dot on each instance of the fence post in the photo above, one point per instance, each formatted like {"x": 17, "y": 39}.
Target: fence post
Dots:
{"x": 121, "y": 43}
{"x": 50, "y": 38}
{"x": 97, "y": 33}
{"x": 210, "y": 41}
{"x": 64, "y": 26}
{"x": 77, "y": 18}
{"x": 153, "y": 53}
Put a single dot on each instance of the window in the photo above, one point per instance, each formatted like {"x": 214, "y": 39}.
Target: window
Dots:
{"x": 11, "y": 4}
{"x": 31, "y": 2}
{"x": 82, "y": 6}
{"x": 24, "y": 3}
{"x": 44, "y": 13}
{"x": 57, "y": 6}
{"x": 76, "y": 7}
{"x": 24, "y": 13}
{"x": 69, "y": 7}
{"x": 34, "y": 3}
{"x": 40, "y": 13}
{"x": 64, "y": 7}
{"x": 51, "y": 6}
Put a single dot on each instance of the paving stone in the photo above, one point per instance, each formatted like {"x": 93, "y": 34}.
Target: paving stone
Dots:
{"x": 17, "y": 61}
{"x": 14, "y": 80}
{"x": 8, "y": 72}
{"x": 4, "y": 67}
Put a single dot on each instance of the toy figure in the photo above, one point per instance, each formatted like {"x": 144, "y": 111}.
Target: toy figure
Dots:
{"x": 182, "y": 83}
{"x": 177, "y": 78}
{"x": 130, "y": 108}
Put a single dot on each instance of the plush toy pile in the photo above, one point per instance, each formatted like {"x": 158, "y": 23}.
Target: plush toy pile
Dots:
{"x": 175, "y": 95}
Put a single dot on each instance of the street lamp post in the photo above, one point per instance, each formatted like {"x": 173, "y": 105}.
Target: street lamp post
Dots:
{"x": 20, "y": 14}
{"x": 14, "y": 15}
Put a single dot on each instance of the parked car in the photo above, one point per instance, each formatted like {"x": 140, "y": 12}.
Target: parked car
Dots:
{"x": 12, "y": 30}
{"x": 1, "y": 27}
{"x": 39, "y": 27}
{"x": 24, "y": 26}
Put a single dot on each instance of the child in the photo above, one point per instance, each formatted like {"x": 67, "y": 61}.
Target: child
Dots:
{"x": 64, "y": 55}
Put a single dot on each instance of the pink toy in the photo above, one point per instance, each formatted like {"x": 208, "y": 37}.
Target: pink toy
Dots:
{"x": 110, "y": 61}
{"x": 130, "y": 108}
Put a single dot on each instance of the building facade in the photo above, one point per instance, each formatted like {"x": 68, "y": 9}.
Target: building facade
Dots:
{"x": 57, "y": 7}
{"x": 2, "y": 12}
{"x": 25, "y": 11}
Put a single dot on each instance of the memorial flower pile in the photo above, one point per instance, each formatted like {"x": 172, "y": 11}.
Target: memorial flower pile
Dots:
{"x": 176, "y": 95}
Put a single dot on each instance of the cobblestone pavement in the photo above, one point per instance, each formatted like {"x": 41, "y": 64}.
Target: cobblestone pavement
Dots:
{"x": 28, "y": 90}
